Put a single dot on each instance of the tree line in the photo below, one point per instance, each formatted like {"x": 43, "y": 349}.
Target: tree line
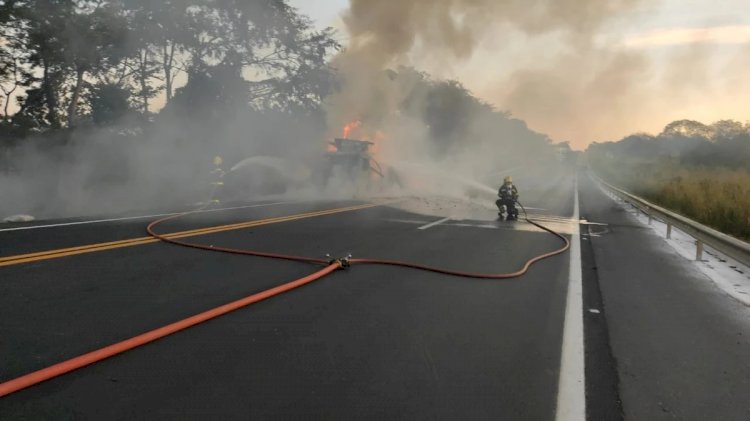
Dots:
{"x": 192, "y": 68}
{"x": 73, "y": 62}
{"x": 701, "y": 171}
{"x": 725, "y": 143}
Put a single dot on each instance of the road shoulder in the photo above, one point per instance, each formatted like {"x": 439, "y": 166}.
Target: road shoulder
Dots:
{"x": 680, "y": 343}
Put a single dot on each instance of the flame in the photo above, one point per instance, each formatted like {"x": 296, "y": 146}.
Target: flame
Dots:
{"x": 354, "y": 125}
{"x": 355, "y": 130}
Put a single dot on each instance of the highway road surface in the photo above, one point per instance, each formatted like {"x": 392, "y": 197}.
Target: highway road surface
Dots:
{"x": 616, "y": 328}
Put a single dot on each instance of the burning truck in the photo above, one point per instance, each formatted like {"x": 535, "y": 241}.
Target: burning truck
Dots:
{"x": 350, "y": 164}
{"x": 348, "y": 167}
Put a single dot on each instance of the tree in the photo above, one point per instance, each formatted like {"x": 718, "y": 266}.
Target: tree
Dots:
{"x": 10, "y": 54}
{"x": 11, "y": 76}
{"x": 732, "y": 143}
{"x": 687, "y": 128}
{"x": 159, "y": 30}
{"x": 727, "y": 130}
{"x": 725, "y": 143}
{"x": 71, "y": 46}
{"x": 109, "y": 102}
{"x": 212, "y": 94}
{"x": 95, "y": 40}
{"x": 146, "y": 69}
{"x": 269, "y": 39}
{"x": 70, "y": 39}
{"x": 45, "y": 22}
{"x": 449, "y": 110}
{"x": 144, "y": 65}
{"x": 34, "y": 114}
{"x": 9, "y": 13}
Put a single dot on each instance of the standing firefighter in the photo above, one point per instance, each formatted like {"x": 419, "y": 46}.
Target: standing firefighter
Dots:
{"x": 508, "y": 196}
{"x": 217, "y": 180}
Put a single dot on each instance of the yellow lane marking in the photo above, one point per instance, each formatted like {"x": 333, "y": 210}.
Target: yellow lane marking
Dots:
{"x": 90, "y": 248}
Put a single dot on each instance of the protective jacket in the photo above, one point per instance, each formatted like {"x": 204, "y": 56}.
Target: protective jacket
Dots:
{"x": 508, "y": 192}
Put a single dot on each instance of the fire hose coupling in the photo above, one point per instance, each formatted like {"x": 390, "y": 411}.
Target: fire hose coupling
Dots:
{"x": 343, "y": 262}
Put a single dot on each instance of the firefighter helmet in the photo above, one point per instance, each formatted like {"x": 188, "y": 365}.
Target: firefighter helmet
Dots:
{"x": 218, "y": 161}
{"x": 508, "y": 179}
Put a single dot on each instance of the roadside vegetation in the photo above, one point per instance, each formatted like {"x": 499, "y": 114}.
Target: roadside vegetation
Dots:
{"x": 700, "y": 171}
{"x": 195, "y": 66}
{"x": 126, "y": 102}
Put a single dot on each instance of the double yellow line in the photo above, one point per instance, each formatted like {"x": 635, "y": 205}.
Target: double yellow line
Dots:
{"x": 91, "y": 248}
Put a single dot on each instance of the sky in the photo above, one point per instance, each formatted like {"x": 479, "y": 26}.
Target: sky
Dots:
{"x": 680, "y": 59}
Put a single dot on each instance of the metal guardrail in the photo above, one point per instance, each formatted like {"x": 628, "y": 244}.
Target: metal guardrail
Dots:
{"x": 726, "y": 244}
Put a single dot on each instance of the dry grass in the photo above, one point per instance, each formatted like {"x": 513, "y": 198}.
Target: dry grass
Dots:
{"x": 716, "y": 197}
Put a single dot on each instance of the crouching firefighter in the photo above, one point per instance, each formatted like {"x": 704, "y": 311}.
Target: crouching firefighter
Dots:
{"x": 508, "y": 196}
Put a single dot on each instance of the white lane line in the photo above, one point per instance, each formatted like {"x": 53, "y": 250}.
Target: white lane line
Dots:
{"x": 571, "y": 390}
{"x": 550, "y": 218}
{"x": 67, "y": 224}
{"x": 432, "y": 224}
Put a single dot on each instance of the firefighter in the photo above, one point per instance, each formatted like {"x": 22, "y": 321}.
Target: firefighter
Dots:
{"x": 508, "y": 194}
{"x": 217, "y": 180}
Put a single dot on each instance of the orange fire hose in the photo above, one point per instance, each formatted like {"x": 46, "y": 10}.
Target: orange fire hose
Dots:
{"x": 509, "y": 275}
{"x": 150, "y": 230}
{"x": 84, "y": 360}
{"x": 72, "y": 364}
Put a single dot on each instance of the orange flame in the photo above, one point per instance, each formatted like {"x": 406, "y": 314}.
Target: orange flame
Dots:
{"x": 355, "y": 130}
{"x": 354, "y": 125}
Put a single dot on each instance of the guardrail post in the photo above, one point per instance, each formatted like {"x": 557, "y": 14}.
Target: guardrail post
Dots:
{"x": 669, "y": 231}
{"x": 698, "y": 250}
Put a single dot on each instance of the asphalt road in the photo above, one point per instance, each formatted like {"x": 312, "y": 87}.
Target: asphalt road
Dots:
{"x": 370, "y": 342}
{"x": 679, "y": 346}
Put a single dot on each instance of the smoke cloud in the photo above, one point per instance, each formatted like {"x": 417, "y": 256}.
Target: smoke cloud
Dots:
{"x": 390, "y": 29}
{"x": 98, "y": 171}
{"x": 391, "y": 33}
{"x": 558, "y": 65}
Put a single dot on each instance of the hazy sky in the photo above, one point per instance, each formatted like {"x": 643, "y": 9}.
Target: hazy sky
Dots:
{"x": 692, "y": 60}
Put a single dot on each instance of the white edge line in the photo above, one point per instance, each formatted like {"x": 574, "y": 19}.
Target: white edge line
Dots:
{"x": 571, "y": 390}
{"x": 432, "y": 224}
{"x": 67, "y": 224}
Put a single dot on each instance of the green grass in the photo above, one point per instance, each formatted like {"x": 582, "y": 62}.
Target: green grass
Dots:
{"x": 717, "y": 197}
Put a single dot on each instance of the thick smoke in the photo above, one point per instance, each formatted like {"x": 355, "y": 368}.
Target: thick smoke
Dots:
{"x": 390, "y": 29}
{"x": 580, "y": 96}
{"x": 85, "y": 141}
{"x": 95, "y": 171}
{"x": 385, "y": 34}
{"x": 559, "y": 66}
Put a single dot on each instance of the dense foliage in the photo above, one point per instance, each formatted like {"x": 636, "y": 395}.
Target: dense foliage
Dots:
{"x": 701, "y": 171}
{"x": 92, "y": 62}
{"x": 725, "y": 143}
